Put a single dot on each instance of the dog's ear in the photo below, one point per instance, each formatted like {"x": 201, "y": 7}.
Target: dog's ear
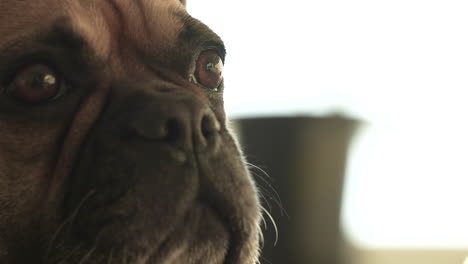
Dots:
{"x": 184, "y": 2}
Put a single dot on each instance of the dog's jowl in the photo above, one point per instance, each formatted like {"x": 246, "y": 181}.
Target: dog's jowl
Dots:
{"x": 113, "y": 138}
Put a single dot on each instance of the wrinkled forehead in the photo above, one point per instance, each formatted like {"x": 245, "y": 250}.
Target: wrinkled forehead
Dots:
{"x": 105, "y": 24}
{"x": 113, "y": 24}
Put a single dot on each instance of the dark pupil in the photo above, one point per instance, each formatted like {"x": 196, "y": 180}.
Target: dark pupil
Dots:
{"x": 41, "y": 82}
{"x": 38, "y": 82}
{"x": 35, "y": 84}
{"x": 209, "y": 72}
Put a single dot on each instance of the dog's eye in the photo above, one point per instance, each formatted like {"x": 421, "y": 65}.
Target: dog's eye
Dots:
{"x": 209, "y": 69}
{"x": 34, "y": 84}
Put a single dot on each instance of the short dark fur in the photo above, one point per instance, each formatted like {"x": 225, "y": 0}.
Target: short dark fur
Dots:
{"x": 134, "y": 163}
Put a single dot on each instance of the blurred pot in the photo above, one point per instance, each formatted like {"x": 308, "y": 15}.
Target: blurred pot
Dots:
{"x": 305, "y": 158}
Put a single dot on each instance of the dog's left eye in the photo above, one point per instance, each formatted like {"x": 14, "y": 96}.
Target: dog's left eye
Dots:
{"x": 209, "y": 69}
{"x": 35, "y": 84}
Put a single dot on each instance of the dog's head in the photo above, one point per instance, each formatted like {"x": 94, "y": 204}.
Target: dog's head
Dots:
{"x": 114, "y": 146}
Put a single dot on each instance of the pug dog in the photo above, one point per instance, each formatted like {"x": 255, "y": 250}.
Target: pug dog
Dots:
{"x": 113, "y": 139}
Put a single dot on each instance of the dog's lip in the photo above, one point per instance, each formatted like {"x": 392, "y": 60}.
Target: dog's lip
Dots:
{"x": 227, "y": 226}
{"x": 174, "y": 249}
{"x": 222, "y": 214}
{"x": 229, "y": 213}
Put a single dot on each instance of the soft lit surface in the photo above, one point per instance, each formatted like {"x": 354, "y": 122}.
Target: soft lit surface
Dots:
{"x": 402, "y": 65}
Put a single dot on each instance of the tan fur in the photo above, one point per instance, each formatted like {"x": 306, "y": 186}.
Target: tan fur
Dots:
{"x": 145, "y": 24}
{"x": 72, "y": 169}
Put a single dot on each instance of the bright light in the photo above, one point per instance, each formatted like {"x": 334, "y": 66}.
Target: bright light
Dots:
{"x": 402, "y": 65}
{"x": 407, "y": 186}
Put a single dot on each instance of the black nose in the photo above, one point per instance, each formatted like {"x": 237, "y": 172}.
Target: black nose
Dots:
{"x": 190, "y": 126}
{"x": 181, "y": 121}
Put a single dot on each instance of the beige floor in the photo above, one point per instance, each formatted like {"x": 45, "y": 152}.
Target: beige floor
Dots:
{"x": 352, "y": 255}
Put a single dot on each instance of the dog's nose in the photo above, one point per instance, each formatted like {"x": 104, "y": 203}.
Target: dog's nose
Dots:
{"x": 197, "y": 127}
{"x": 182, "y": 122}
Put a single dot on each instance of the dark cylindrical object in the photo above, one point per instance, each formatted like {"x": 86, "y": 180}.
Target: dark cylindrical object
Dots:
{"x": 305, "y": 158}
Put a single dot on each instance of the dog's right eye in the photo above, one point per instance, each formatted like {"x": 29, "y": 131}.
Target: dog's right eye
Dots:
{"x": 35, "y": 84}
{"x": 209, "y": 69}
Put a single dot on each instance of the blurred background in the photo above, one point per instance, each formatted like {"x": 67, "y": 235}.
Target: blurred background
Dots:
{"x": 356, "y": 110}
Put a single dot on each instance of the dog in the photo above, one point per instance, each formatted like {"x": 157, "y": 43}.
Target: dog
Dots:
{"x": 114, "y": 144}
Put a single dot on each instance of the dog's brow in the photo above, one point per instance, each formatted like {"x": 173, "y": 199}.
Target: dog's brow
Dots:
{"x": 198, "y": 34}
{"x": 56, "y": 45}
{"x": 63, "y": 36}
{"x": 60, "y": 35}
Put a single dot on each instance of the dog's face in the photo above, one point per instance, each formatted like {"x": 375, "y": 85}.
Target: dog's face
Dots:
{"x": 113, "y": 146}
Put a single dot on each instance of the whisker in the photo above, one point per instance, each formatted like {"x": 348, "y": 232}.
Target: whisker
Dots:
{"x": 268, "y": 188}
{"x": 87, "y": 255}
{"x": 266, "y": 193}
{"x": 274, "y": 224}
{"x": 264, "y": 196}
{"x": 68, "y": 220}
{"x": 263, "y": 259}
{"x": 65, "y": 259}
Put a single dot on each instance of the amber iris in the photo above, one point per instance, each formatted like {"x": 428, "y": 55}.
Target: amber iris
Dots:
{"x": 209, "y": 69}
{"x": 34, "y": 84}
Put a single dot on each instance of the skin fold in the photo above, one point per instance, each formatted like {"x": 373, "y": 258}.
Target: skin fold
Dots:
{"x": 131, "y": 161}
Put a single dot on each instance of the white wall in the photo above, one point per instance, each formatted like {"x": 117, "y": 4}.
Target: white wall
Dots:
{"x": 402, "y": 65}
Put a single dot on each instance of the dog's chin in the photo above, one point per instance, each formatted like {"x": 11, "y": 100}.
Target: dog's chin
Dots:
{"x": 201, "y": 236}
{"x": 156, "y": 214}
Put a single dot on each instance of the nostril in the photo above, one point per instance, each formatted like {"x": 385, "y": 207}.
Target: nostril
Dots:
{"x": 174, "y": 131}
{"x": 209, "y": 125}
